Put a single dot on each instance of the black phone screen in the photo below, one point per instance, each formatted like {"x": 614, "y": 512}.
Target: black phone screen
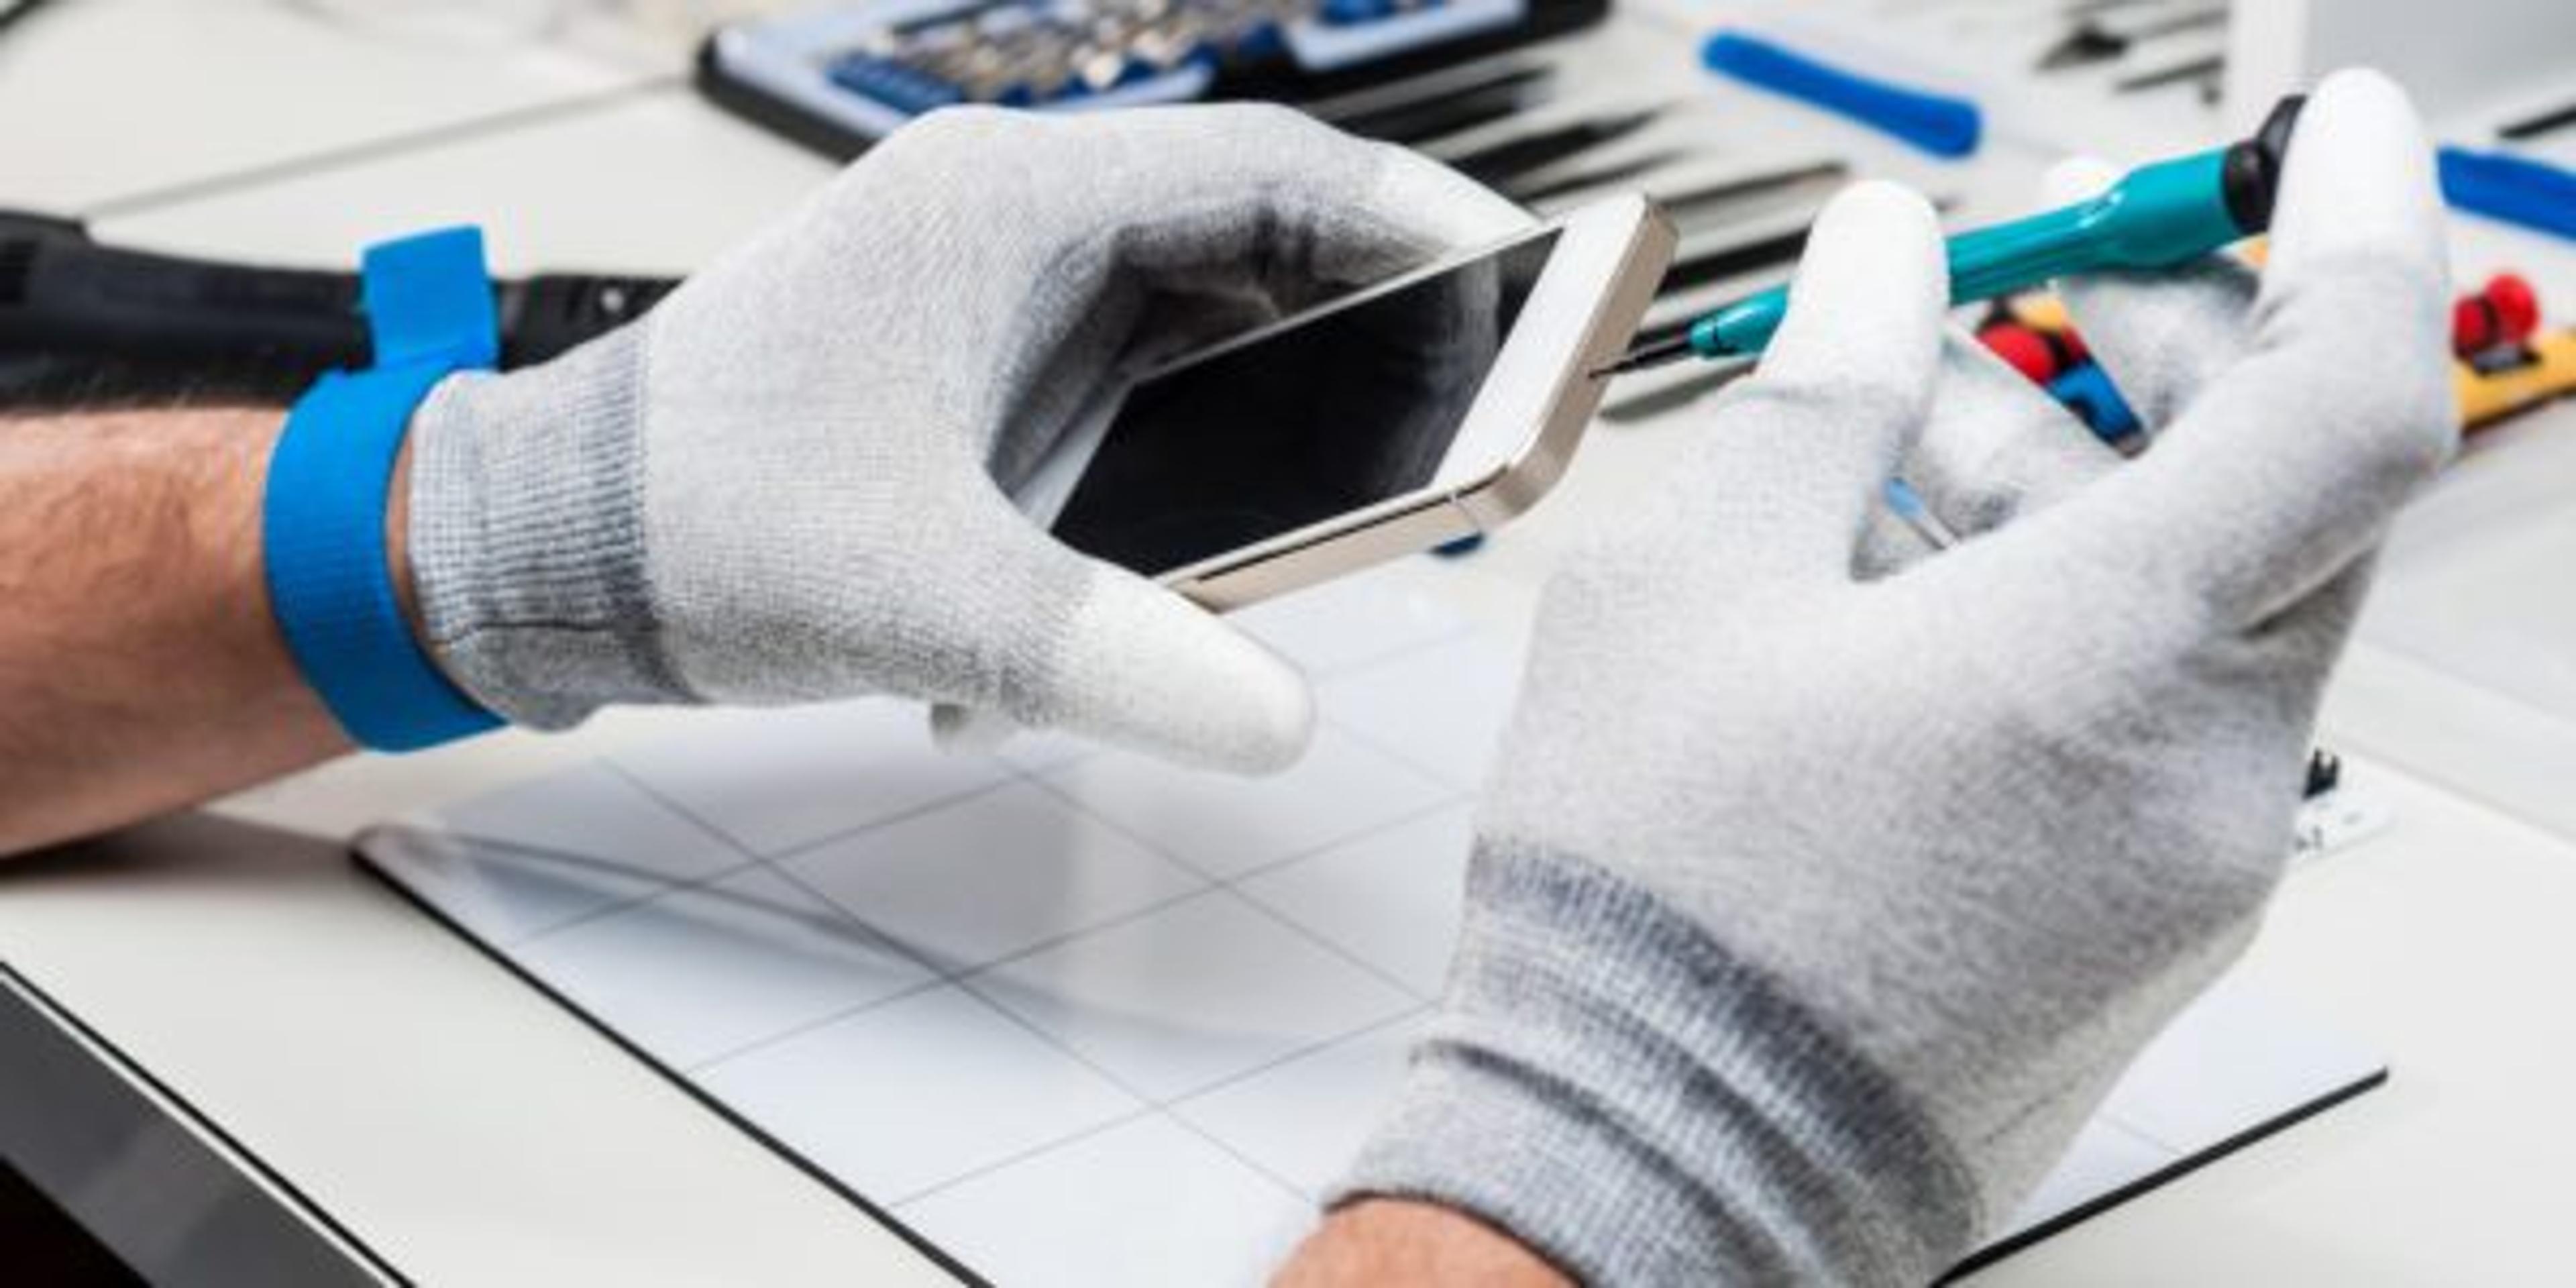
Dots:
{"x": 1350, "y": 408}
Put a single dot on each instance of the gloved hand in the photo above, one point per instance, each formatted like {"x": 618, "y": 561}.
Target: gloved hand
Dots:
{"x": 788, "y": 481}
{"x": 1822, "y": 890}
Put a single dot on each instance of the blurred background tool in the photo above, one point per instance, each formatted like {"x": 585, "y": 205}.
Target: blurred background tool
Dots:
{"x": 2503, "y": 312}
{"x": 2532, "y": 127}
{"x": 82, "y": 322}
{"x": 2030, "y": 333}
{"x": 2108, "y": 36}
{"x": 2490, "y": 391}
{"x": 839, "y": 76}
{"x": 1431, "y": 106}
{"x": 1499, "y": 163}
{"x": 2086, "y": 390}
{"x": 1941, "y": 124}
{"x": 2203, "y": 72}
{"x": 2515, "y": 189}
{"x": 2038, "y": 351}
{"x": 13, "y": 10}
{"x": 2502, "y": 364}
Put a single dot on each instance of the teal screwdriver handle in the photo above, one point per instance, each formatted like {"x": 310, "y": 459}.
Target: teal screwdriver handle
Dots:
{"x": 2156, "y": 216}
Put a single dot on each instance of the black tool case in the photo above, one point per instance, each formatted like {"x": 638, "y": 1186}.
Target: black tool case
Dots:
{"x": 837, "y": 77}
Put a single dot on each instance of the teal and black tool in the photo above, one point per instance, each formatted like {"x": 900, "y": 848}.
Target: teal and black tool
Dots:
{"x": 2156, "y": 216}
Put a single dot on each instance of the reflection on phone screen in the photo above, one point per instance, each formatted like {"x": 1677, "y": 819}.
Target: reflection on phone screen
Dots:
{"x": 1315, "y": 421}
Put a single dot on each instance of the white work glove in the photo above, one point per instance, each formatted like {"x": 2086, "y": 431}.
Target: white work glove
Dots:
{"x": 787, "y": 482}
{"x": 1820, "y": 895}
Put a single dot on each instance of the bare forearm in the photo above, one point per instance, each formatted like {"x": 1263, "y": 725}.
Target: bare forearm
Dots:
{"x": 140, "y": 669}
{"x": 1393, "y": 1241}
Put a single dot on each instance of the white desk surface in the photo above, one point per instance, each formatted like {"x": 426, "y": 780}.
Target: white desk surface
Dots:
{"x": 129, "y": 98}
{"x": 471, "y": 1131}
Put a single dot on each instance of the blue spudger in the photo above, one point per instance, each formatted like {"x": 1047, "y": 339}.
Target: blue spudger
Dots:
{"x": 1941, "y": 124}
{"x": 2516, "y": 189}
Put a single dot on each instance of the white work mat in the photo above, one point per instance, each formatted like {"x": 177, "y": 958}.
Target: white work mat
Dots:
{"x": 1073, "y": 1017}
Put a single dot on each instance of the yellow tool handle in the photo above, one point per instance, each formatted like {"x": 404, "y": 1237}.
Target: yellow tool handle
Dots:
{"x": 2487, "y": 397}
{"x": 2041, "y": 312}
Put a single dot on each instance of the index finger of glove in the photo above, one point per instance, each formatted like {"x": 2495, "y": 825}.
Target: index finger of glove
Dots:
{"x": 1130, "y": 662}
{"x": 1793, "y": 459}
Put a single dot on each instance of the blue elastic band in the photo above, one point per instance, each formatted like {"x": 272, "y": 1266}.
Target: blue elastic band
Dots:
{"x": 429, "y": 310}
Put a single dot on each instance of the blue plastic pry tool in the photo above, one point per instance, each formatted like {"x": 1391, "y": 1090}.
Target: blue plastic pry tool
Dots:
{"x": 1941, "y": 124}
{"x": 2517, "y": 190}
{"x": 2088, "y": 392}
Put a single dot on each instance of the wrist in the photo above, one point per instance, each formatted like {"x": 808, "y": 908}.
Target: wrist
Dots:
{"x": 1393, "y": 1241}
{"x": 526, "y": 540}
{"x": 1619, "y": 1091}
{"x": 398, "y": 543}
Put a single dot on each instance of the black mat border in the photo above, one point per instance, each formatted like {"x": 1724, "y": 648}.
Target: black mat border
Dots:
{"x": 2158, "y": 1179}
{"x": 239, "y": 1153}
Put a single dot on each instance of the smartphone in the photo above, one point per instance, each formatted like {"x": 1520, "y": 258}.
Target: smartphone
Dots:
{"x": 1409, "y": 414}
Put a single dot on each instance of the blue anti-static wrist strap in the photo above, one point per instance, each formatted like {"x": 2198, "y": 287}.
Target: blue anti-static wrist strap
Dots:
{"x": 429, "y": 311}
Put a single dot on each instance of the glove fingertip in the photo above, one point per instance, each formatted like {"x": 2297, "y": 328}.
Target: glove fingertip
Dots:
{"x": 1145, "y": 668}
{"x": 1869, "y": 296}
{"x": 2359, "y": 180}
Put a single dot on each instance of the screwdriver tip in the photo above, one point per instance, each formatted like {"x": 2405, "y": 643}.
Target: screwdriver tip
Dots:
{"x": 1652, "y": 354}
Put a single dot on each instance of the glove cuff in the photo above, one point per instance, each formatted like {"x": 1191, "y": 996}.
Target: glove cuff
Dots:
{"x": 527, "y": 537}
{"x": 1636, "y": 1104}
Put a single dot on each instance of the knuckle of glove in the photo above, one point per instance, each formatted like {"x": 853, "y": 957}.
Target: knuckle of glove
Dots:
{"x": 954, "y": 131}
{"x": 939, "y": 150}
{"x": 1257, "y": 126}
